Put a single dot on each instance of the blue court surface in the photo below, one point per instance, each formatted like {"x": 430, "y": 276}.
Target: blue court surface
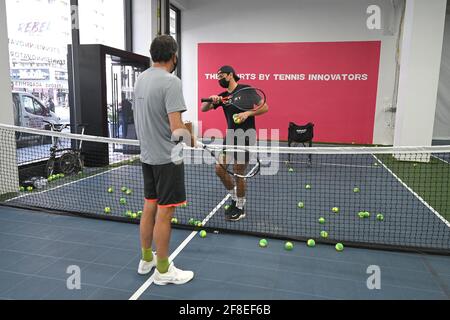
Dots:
{"x": 36, "y": 249}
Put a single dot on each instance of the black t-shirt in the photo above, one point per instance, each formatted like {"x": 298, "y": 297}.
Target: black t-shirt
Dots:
{"x": 230, "y": 111}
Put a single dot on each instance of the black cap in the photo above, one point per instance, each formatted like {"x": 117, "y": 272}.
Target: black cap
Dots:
{"x": 229, "y": 69}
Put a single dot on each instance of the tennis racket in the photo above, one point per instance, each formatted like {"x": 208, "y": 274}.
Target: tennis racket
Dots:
{"x": 218, "y": 153}
{"x": 246, "y": 99}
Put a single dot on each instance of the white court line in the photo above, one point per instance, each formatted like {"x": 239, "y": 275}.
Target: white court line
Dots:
{"x": 414, "y": 193}
{"x": 443, "y": 160}
{"x": 63, "y": 185}
{"x": 175, "y": 254}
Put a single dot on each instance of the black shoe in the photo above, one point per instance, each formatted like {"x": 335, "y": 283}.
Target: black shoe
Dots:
{"x": 236, "y": 214}
{"x": 230, "y": 209}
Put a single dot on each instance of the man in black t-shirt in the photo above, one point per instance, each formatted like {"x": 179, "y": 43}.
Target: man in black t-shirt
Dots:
{"x": 241, "y": 133}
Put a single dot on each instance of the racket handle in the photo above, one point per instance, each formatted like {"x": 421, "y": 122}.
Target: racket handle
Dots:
{"x": 207, "y": 100}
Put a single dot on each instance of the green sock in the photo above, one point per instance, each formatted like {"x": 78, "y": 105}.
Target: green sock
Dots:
{"x": 163, "y": 265}
{"x": 147, "y": 255}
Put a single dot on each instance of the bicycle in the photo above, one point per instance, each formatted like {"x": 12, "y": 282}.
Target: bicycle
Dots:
{"x": 70, "y": 160}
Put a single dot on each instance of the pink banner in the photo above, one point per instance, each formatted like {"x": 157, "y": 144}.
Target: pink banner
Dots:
{"x": 334, "y": 85}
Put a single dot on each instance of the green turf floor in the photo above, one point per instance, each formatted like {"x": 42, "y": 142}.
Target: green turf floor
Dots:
{"x": 431, "y": 181}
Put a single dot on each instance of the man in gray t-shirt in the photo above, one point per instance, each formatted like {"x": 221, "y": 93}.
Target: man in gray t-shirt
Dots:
{"x": 158, "y": 106}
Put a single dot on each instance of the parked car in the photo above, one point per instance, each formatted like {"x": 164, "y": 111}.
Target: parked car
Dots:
{"x": 30, "y": 112}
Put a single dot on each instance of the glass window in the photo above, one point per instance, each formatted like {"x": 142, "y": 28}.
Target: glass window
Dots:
{"x": 102, "y": 22}
{"x": 38, "y": 110}
{"x": 28, "y": 104}
{"x": 39, "y": 32}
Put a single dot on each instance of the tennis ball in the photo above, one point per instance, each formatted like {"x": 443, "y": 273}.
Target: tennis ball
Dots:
{"x": 123, "y": 201}
{"x": 236, "y": 119}
{"x": 311, "y": 243}
{"x": 356, "y": 190}
{"x": 134, "y": 215}
{"x": 289, "y": 246}
{"x": 107, "y": 210}
{"x": 263, "y": 243}
{"x": 140, "y": 213}
{"x": 380, "y": 217}
{"x": 191, "y": 222}
{"x": 366, "y": 214}
{"x": 307, "y": 187}
{"x": 22, "y": 189}
{"x": 62, "y": 175}
{"x": 110, "y": 190}
{"x": 199, "y": 224}
{"x": 124, "y": 189}
{"x": 203, "y": 234}
{"x": 335, "y": 210}
{"x": 301, "y": 205}
{"x": 291, "y": 170}
{"x": 227, "y": 207}
{"x": 29, "y": 189}
{"x": 174, "y": 221}
{"x": 129, "y": 192}
{"x": 50, "y": 179}
{"x": 339, "y": 247}
{"x": 184, "y": 205}
{"x": 362, "y": 215}
{"x": 376, "y": 164}
{"x": 322, "y": 220}
{"x": 128, "y": 213}
{"x": 324, "y": 234}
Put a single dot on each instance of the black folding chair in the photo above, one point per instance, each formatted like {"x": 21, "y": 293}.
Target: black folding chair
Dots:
{"x": 301, "y": 135}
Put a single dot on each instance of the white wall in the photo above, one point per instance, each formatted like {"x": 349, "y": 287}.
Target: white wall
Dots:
{"x": 442, "y": 119}
{"x": 290, "y": 21}
{"x": 420, "y": 67}
{"x": 6, "y": 112}
{"x": 143, "y": 25}
{"x": 8, "y": 167}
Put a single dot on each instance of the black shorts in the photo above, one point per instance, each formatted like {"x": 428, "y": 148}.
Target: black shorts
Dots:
{"x": 164, "y": 184}
{"x": 239, "y": 157}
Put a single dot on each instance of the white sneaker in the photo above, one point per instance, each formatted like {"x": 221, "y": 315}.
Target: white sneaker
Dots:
{"x": 173, "y": 276}
{"x": 146, "y": 267}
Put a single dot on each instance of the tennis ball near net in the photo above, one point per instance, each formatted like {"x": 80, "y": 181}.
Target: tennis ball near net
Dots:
{"x": 324, "y": 234}
{"x": 289, "y": 246}
{"x": 322, "y": 220}
{"x": 335, "y": 210}
{"x": 356, "y": 190}
{"x": 263, "y": 243}
{"x": 301, "y": 205}
{"x": 107, "y": 210}
{"x": 110, "y": 190}
{"x": 22, "y": 189}
{"x": 308, "y": 187}
{"x": 174, "y": 221}
{"x": 311, "y": 243}
{"x": 29, "y": 189}
{"x": 124, "y": 189}
{"x": 380, "y": 217}
{"x": 339, "y": 247}
{"x": 128, "y": 192}
{"x": 203, "y": 234}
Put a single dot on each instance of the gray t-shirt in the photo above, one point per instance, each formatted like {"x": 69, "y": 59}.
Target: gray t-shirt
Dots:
{"x": 157, "y": 94}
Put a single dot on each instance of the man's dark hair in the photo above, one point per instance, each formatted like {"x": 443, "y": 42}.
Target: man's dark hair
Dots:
{"x": 163, "y": 48}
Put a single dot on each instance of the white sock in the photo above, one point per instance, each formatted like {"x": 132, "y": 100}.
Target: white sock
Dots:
{"x": 233, "y": 194}
{"x": 240, "y": 203}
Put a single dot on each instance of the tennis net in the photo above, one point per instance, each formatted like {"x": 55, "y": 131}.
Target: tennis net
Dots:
{"x": 387, "y": 198}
